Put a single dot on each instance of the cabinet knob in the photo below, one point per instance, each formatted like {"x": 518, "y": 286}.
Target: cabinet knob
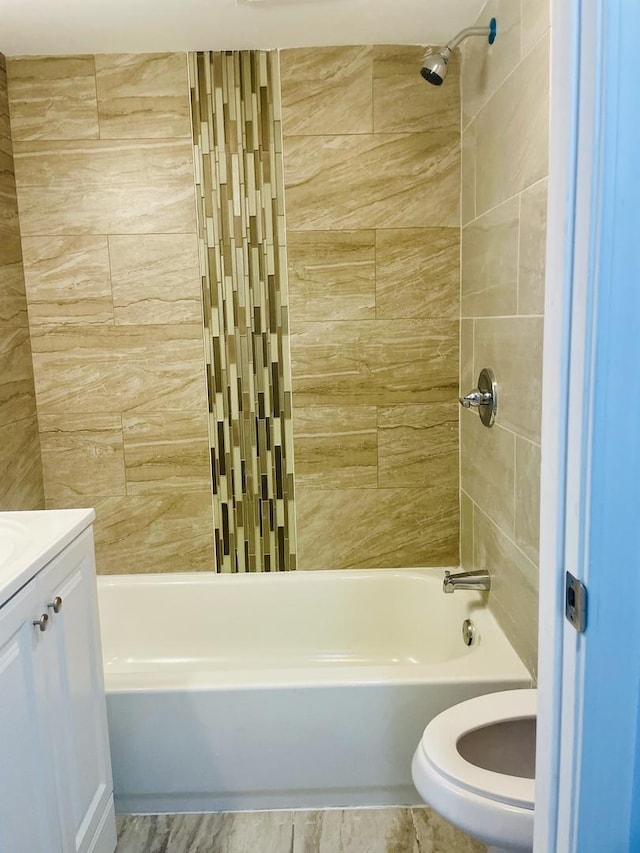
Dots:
{"x": 42, "y": 622}
{"x": 56, "y": 604}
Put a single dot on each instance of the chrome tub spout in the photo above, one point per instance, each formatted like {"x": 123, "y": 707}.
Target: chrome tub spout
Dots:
{"x": 466, "y": 580}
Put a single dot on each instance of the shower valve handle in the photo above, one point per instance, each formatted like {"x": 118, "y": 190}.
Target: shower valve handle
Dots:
{"x": 476, "y": 398}
{"x": 484, "y": 397}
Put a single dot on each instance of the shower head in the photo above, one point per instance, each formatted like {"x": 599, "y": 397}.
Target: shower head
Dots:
{"x": 434, "y": 66}
{"x": 435, "y": 63}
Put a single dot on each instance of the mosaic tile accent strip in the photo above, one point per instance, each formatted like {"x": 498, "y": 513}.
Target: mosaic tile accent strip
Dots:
{"x": 235, "y": 101}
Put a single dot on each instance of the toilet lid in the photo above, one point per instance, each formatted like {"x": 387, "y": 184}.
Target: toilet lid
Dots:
{"x": 441, "y": 736}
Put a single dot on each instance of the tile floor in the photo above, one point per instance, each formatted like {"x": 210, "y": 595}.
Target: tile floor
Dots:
{"x": 389, "y": 830}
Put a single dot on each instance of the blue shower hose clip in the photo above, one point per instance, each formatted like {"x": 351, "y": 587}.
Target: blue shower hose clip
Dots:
{"x": 493, "y": 30}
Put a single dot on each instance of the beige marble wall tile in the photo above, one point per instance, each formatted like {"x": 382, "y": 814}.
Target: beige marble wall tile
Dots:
{"x": 336, "y": 446}
{"x": 484, "y": 66}
{"x": 332, "y": 275}
{"x": 372, "y": 181}
{"x": 513, "y": 132}
{"x": 418, "y": 446}
{"x": 53, "y": 97}
{"x": 6, "y": 146}
{"x": 155, "y": 279}
{"x": 533, "y": 246}
{"x": 105, "y": 187}
{"x": 466, "y": 532}
{"x": 327, "y": 90}
{"x": 82, "y": 455}
{"x": 535, "y": 22}
{"x": 490, "y": 262}
{"x": 13, "y": 306}
{"x": 402, "y": 179}
{"x": 166, "y": 453}
{"x": 5, "y": 129}
{"x": 67, "y": 280}
{"x": 17, "y": 401}
{"x": 151, "y": 533}
{"x": 375, "y": 528}
{"x": 143, "y": 95}
{"x": 514, "y": 586}
{"x": 527, "y": 482}
{"x": 21, "y": 481}
{"x": 80, "y": 198}
{"x": 505, "y": 162}
{"x": 468, "y": 375}
{"x": 418, "y": 273}
{"x": 468, "y": 165}
{"x": 9, "y": 227}
{"x": 374, "y": 362}
{"x": 513, "y": 348}
{"x": 403, "y": 101}
{"x": 115, "y": 368}
{"x": 487, "y": 469}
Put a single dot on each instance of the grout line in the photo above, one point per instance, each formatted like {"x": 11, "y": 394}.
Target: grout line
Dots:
{"x": 473, "y": 347}
{"x": 94, "y": 236}
{"x": 510, "y": 74}
{"x": 500, "y": 317}
{"x": 518, "y": 255}
{"x": 515, "y": 434}
{"x": 113, "y": 305}
{"x": 505, "y": 201}
{"x": 95, "y": 83}
{"x": 515, "y": 487}
{"x": 511, "y": 540}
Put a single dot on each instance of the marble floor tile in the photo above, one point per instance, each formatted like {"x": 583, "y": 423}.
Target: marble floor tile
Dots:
{"x": 240, "y": 832}
{"x": 435, "y": 835}
{"x": 386, "y": 830}
{"x": 354, "y": 831}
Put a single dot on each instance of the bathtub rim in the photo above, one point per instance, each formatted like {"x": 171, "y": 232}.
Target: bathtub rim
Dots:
{"x": 481, "y": 665}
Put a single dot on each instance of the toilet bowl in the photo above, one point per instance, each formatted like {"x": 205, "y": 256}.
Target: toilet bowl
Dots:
{"x": 475, "y": 766}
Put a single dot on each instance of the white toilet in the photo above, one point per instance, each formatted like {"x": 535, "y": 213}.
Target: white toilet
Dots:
{"x": 475, "y": 766}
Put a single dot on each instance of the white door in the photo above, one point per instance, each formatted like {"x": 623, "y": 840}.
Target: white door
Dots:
{"x": 78, "y": 723}
{"x": 28, "y": 817}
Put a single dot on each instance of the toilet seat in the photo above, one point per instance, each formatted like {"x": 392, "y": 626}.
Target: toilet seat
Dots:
{"x": 438, "y": 746}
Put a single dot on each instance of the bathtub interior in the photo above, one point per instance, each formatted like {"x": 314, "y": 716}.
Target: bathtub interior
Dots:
{"x": 349, "y": 620}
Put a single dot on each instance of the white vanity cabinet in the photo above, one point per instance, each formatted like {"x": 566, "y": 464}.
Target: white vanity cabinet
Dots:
{"x": 28, "y": 818}
{"x": 56, "y": 790}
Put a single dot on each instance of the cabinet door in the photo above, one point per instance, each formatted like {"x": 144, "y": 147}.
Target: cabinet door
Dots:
{"x": 76, "y": 687}
{"x": 28, "y": 814}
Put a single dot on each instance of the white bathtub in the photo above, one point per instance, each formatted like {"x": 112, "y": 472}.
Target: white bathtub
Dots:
{"x": 300, "y": 690}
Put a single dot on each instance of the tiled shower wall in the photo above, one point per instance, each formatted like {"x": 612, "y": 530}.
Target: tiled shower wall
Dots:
{"x": 104, "y": 172}
{"x": 372, "y": 175}
{"x": 105, "y": 188}
{"x": 21, "y": 480}
{"x": 505, "y": 117}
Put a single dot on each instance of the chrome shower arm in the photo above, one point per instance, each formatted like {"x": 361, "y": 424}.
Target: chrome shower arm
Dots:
{"x": 436, "y": 62}
{"x": 470, "y": 31}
